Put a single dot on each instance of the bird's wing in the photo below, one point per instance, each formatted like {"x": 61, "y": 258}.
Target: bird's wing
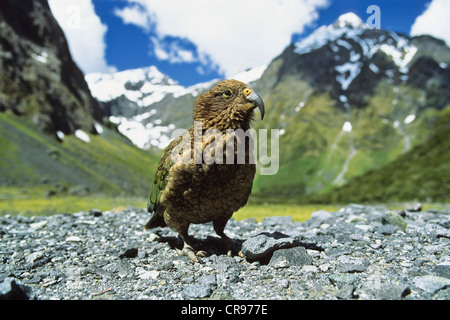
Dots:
{"x": 162, "y": 172}
{"x": 160, "y": 179}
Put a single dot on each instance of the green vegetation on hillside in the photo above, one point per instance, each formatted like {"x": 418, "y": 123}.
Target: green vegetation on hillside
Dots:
{"x": 108, "y": 164}
{"x": 423, "y": 173}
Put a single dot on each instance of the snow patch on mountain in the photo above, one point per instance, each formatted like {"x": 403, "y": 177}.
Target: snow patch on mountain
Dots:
{"x": 250, "y": 75}
{"x": 144, "y": 88}
{"x": 350, "y": 34}
{"x": 347, "y": 73}
{"x": 348, "y": 24}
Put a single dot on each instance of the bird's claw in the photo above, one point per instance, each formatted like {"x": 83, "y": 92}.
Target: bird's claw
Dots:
{"x": 233, "y": 247}
{"x": 189, "y": 251}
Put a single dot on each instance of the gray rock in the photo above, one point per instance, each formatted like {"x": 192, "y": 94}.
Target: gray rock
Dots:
{"x": 264, "y": 244}
{"x": 350, "y": 256}
{"x": 208, "y": 280}
{"x": 387, "y": 229}
{"x": 442, "y": 270}
{"x": 431, "y": 284}
{"x": 394, "y": 219}
{"x": 296, "y": 256}
{"x": 320, "y": 217}
{"x": 346, "y": 292}
{"x": 351, "y": 264}
{"x": 341, "y": 280}
{"x": 196, "y": 291}
{"x": 339, "y": 251}
{"x": 124, "y": 268}
{"x": 391, "y": 291}
{"x": 33, "y": 257}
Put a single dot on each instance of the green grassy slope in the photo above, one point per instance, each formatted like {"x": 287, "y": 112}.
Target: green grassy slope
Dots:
{"x": 423, "y": 173}
{"x": 108, "y": 164}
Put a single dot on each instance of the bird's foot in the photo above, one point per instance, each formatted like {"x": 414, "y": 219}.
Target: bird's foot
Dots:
{"x": 189, "y": 251}
{"x": 233, "y": 247}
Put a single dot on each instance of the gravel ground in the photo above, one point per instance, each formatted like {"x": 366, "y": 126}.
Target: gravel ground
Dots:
{"x": 359, "y": 252}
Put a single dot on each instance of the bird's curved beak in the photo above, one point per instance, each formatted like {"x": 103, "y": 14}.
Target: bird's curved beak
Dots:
{"x": 257, "y": 102}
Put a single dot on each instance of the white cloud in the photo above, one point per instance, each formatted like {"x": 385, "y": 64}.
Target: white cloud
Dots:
{"x": 172, "y": 51}
{"x": 235, "y": 34}
{"x": 434, "y": 21}
{"x": 134, "y": 15}
{"x": 84, "y": 32}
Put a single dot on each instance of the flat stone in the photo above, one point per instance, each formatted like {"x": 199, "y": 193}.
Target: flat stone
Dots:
{"x": 391, "y": 291}
{"x": 431, "y": 284}
{"x": 33, "y": 257}
{"x": 296, "y": 256}
{"x": 149, "y": 275}
{"x": 351, "y": 264}
{"x": 264, "y": 244}
{"x": 196, "y": 291}
{"x": 442, "y": 270}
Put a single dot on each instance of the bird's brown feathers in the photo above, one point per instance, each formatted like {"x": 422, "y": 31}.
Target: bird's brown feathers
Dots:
{"x": 185, "y": 192}
{"x": 224, "y": 107}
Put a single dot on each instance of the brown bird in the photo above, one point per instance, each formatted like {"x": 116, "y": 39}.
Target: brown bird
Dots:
{"x": 207, "y": 174}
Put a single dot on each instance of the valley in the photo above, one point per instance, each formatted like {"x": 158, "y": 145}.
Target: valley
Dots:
{"x": 362, "y": 116}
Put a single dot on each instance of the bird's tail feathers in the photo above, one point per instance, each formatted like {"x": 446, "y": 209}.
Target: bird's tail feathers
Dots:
{"x": 155, "y": 221}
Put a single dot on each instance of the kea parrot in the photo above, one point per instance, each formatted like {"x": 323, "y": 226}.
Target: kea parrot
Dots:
{"x": 190, "y": 188}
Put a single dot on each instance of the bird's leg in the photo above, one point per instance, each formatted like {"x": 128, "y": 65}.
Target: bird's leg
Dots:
{"x": 231, "y": 245}
{"x": 187, "y": 248}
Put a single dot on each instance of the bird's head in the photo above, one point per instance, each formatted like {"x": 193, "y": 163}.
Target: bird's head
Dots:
{"x": 228, "y": 105}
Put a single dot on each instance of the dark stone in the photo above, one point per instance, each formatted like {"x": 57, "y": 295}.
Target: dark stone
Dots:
{"x": 13, "y": 289}
{"x": 296, "y": 256}
{"x": 130, "y": 253}
{"x": 95, "y": 212}
{"x": 264, "y": 244}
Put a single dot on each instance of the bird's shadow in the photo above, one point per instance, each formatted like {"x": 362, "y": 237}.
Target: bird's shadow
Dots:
{"x": 211, "y": 245}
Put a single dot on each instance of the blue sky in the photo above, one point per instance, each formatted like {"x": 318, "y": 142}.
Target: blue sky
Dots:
{"x": 194, "y": 41}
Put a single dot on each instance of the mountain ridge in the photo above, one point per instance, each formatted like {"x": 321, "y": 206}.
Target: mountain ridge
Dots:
{"x": 53, "y": 134}
{"x": 38, "y": 78}
{"x": 347, "y": 99}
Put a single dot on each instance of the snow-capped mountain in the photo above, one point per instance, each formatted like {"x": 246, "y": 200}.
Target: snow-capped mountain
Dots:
{"x": 139, "y": 102}
{"x": 351, "y": 38}
{"x": 348, "y": 99}
{"x": 134, "y": 100}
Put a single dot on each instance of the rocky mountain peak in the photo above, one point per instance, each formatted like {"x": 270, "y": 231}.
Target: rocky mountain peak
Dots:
{"x": 38, "y": 78}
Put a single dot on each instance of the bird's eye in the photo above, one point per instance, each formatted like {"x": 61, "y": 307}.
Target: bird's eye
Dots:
{"x": 227, "y": 93}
